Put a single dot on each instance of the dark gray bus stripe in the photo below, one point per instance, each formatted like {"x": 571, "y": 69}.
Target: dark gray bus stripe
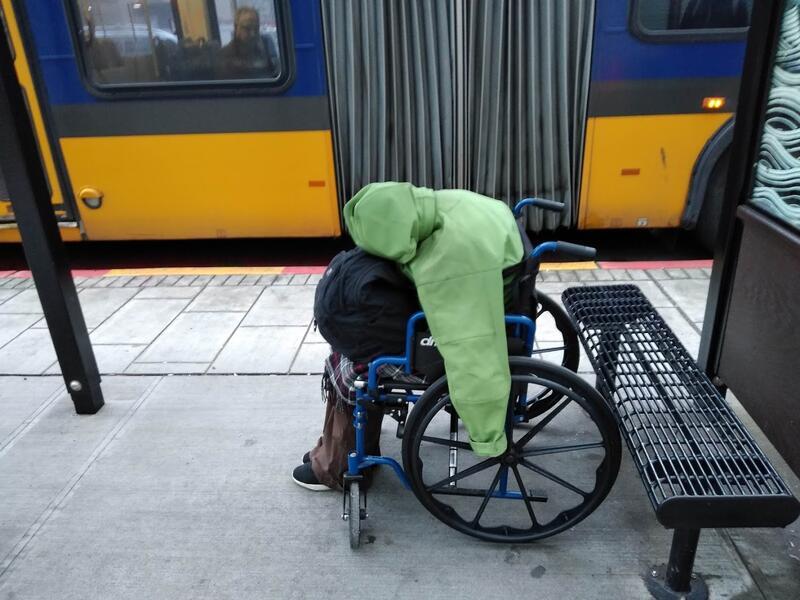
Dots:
{"x": 659, "y": 96}
{"x": 195, "y": 115}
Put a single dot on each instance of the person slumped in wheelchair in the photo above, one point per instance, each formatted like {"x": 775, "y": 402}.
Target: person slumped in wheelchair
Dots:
{"x": 470, "y": 267}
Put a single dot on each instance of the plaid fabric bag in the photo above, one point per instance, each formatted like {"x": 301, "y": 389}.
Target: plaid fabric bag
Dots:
{"x": 341, "y": 373}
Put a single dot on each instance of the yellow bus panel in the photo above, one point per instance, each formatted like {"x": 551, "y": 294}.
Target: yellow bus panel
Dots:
{"x": 26, "y": 82}
{"x": 637, "y": 168}
{"x": 263, "y": 184}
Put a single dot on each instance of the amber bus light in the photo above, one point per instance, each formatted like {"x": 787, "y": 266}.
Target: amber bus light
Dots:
{"x": 714, "y": 103}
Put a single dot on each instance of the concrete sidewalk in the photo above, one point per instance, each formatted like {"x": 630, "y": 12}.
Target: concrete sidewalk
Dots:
{"x": 248, "y": 324}
{"x": 179, "y": 487}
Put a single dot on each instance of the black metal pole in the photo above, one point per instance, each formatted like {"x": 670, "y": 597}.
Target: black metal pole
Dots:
{"x": 44, "y": 251}
{"x": 681, "y": 559}
{"x": 754, "y": 89}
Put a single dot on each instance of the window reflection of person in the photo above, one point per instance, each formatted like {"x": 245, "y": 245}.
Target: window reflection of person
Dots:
{"x": 715, "y": 14}
{"x": 249, "y": 54}
{"x": 101, "y": 54}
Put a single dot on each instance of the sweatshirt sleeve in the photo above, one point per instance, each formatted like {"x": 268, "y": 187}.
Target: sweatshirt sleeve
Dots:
{"x": 466, "y": 318}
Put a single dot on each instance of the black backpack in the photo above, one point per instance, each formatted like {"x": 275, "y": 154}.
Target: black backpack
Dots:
{"x": 362, "y": 304}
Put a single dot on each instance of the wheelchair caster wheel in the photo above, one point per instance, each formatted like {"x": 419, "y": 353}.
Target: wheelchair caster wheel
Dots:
{"x": 354, "y": 514}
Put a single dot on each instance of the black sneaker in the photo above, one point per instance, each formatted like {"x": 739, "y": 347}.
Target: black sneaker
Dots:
{"x": 307, "y": 457}
{"x": 304, "y": 477}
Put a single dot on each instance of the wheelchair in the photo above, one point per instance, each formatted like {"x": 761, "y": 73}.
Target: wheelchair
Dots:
{"x": 564, "y": 446}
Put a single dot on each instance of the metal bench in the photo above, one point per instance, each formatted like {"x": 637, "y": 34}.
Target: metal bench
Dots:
{"x": 699, "y": 465}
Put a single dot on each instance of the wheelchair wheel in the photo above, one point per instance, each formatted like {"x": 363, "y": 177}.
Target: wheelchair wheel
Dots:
{"x": 556, "y": 342}
{"x": 353, "y": 514}
{"x": 556, "y": 471}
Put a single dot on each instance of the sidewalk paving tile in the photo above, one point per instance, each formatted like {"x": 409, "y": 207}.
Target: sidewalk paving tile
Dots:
{"x": 103, "y": 282}
{"x": 314, "y": 336}
{"x": 266, "y": 280}
{"x": 228, "y": 299}
{"x": 112, "y": 359}
{"x": 98, "y": 304}
{"x": 549, "y": 275}
{"x": 192, "y": 337}
{"x": 619, "y": 274}
{"x": 149, "y": 281}
{"x": 167, "y": 368}
{"x": 120, "y": 281}
{"x": 138, "y": 322}
{"x": 604, "y": 275}
{"x": 657, "y": 274}
{"x": 234, "y": 280}
{"x": 25, "y": 302}
{"x": 689, "y": 295}
{"x": 202, "y": 280}
{"x": 638, "y": 274}
{"x": 169, "y": 280}
{"x": 31, "y": 352}
{"x": 653, "y": 293}
{"x": 568, "y": 276}
{"x": 259, "y": 350}
{"x": 175, "y": 292}
{"x": 282, "y": 305}
{"x": 52, "y": 452}
{"x": 283, "y": 280}
{"x": 12, "y": 325}
{"x": 311, "y": 358}
{"x": 6, "y": 294}
{"x": 20, "y": 399}
{"x": 682, "y": 328}
{"x": 299, "y": 279}
{"x": 677, "y": 273}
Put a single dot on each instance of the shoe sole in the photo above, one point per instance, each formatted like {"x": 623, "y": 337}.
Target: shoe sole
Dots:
{"x": 314, "y": 487}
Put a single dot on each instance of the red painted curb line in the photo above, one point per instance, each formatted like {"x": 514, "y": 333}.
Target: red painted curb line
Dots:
{"x": 303, "y": 270}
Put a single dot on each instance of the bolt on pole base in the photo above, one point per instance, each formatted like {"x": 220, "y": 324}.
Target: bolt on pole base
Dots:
{"x": 656, "y": 583}
{"x": 675, "y": 579}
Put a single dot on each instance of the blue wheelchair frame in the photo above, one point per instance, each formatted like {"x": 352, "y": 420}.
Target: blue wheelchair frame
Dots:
{"x": 369, "y": 391}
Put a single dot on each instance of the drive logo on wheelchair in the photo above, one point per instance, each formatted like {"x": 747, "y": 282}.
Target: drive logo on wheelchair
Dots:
{"x": 428, "y": 341}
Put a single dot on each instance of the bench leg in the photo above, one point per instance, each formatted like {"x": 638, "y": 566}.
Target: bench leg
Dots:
{"x": 676, "y": 580}
{"x": 681, "y": 559}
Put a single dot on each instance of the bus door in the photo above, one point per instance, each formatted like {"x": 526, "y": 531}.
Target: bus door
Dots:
{"x": 665, "y": 76}
{"x": 63, "y": 208}
{"x": 190, "y": 118}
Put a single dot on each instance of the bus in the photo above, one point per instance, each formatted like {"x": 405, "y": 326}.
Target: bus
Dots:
{"x": 181, "y": 119}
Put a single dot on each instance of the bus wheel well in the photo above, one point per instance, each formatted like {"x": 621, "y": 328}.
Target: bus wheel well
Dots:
{"x": 707, "y": 187}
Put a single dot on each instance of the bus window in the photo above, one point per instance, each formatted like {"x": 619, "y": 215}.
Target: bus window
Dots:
{"x": 127, "y": 43}
{"x": 690, "y": 16}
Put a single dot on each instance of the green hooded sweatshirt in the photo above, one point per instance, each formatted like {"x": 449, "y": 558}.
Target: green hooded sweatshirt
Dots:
{"x": 454, "y": 245}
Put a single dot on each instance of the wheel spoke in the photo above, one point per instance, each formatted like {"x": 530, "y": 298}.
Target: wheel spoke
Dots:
{"x": 486, "y": 498}
{"x": 446, "y": 442}
{"x": 524, "y": 494}
{"x": 546, "y": 350}
{"x": 541, "y": 424}
{"x": 552, "y": 477}
{"x": 560, "y": 449}
{"x": 481, "y": 466}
